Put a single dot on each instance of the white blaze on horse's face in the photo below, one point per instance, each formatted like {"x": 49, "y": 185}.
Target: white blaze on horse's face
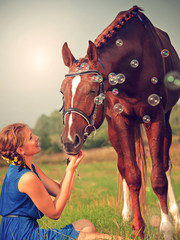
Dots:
{"x": 75, "y": 83}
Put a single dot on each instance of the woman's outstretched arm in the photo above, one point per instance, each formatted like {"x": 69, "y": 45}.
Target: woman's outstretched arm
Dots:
{"x": 30, "y": 184}
{"x": 52, "y": 186}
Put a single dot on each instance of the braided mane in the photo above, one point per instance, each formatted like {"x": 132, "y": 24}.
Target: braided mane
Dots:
{"x": 113, "y": 28}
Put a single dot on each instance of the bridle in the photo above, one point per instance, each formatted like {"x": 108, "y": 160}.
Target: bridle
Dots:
{"x": 90, "y": 120}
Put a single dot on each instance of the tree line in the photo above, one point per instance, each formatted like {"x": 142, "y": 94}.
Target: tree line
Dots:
{"x": 50, "y": 128}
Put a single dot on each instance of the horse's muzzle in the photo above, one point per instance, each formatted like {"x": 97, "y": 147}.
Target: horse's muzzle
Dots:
{"x": 72, "y": 146}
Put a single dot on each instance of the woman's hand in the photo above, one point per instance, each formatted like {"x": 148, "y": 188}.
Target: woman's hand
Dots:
{"x": 74, "y": 161}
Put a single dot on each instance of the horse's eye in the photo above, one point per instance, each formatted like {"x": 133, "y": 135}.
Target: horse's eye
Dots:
{"x": 92, "y": 91}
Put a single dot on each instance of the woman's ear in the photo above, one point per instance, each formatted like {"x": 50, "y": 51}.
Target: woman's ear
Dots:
{"x": 20, "y": 150}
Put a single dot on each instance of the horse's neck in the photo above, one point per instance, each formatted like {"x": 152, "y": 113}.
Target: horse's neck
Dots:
{"x": 113, "y": 57}
{"x": 117, "y": 61}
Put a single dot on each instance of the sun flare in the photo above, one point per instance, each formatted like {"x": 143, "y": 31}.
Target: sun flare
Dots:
{"x": 39, "y": 60}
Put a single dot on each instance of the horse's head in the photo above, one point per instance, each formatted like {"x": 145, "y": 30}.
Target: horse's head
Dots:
{"x": 83, "y": 98}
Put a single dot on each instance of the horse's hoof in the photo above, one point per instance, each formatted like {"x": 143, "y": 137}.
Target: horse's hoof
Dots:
{"x": 175, "y": 212}
{"x": 127, "y": 216}
{"x": 166, "y": 229}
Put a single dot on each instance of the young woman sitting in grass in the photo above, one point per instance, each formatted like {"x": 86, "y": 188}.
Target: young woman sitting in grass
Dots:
{"x": 26, "y": 192}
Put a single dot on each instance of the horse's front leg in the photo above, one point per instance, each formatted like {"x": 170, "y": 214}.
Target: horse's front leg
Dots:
{"x": 123, "y": 140}
{"x": 155, "y": 134}
{"x": 132, "y": 176}
{"x": 127, "y": 212}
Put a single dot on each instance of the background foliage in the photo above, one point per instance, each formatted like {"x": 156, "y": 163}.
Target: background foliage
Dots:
{"x": 49, "y": 129}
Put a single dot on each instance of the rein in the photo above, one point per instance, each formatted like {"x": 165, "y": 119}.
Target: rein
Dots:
{"x": 89, "y": 119}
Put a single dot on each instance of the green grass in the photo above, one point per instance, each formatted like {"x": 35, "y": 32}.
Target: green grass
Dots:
{"x": 95, "y": 197}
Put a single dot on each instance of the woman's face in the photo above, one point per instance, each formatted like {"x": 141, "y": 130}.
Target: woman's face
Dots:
{"x": 30, "y": 146}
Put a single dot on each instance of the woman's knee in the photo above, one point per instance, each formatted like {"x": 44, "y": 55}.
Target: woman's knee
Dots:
{"x": 84, "y": 225}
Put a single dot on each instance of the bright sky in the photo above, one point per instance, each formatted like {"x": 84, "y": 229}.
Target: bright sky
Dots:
{"x": 32, "y": 33}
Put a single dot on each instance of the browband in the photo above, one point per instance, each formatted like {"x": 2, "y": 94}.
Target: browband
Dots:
{"x": 82, "y": 72}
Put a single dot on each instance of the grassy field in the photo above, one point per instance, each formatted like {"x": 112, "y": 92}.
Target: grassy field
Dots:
{"x": 95, "y": 194}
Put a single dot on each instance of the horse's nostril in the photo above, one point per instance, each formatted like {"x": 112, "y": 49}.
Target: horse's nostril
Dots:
{"x": 77, "y": 141}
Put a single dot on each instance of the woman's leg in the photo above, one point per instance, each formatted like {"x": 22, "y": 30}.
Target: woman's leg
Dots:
{"x": 88, "y": 231}
{"x": 84, "y": 225}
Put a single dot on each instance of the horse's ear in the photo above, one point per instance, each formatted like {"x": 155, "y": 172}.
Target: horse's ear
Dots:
{"x": 68, "y": 58}
{"x": 92, "y": 52}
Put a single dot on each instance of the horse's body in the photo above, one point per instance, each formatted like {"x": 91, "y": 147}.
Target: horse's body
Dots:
{"x": 132, "y": 46}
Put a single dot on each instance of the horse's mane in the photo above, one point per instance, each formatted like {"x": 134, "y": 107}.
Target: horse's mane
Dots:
{"x": 118, "y": 22}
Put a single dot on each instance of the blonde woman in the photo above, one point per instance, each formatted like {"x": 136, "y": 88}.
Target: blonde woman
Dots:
{"x": 26, "y": 192}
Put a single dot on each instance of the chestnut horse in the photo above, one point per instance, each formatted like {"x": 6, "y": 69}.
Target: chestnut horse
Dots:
{"x": 130, "y": 75}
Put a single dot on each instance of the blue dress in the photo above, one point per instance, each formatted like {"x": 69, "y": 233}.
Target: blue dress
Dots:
{"x": 19, "y": 221}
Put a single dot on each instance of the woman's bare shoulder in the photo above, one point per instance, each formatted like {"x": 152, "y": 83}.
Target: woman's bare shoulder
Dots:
{"x": 27, "y": 180}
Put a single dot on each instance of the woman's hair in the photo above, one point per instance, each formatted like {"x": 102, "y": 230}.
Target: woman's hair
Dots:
{"x": 12, "y": 137}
